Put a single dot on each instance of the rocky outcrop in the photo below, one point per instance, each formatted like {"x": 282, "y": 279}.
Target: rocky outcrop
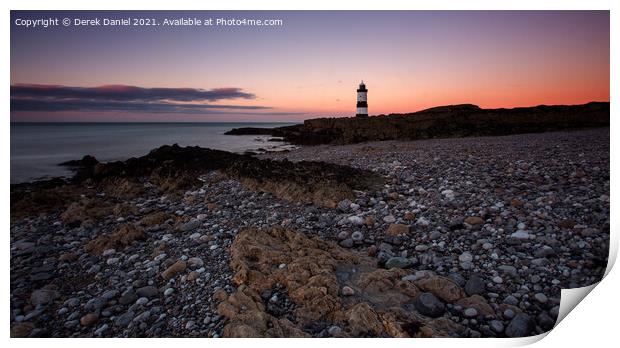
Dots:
{"x": 446, "y": 122}
{"x": 312, "y": 272}
{"x": 174, "y": 169}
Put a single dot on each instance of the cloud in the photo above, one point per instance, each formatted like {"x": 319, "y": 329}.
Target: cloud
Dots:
{"x": 54, "y": 98}
{"x": 18, "y": 104}
{"x": 127, "y": 93}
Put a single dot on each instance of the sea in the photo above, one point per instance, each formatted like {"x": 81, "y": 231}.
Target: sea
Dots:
{"x": 38, "y": 148}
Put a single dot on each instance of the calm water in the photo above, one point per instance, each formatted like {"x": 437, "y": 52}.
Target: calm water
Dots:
{"x": 37, "y": 148}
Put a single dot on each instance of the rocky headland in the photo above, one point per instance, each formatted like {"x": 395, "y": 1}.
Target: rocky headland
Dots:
{"x": 453, "y": 121}
{"x": 463, "y": 237}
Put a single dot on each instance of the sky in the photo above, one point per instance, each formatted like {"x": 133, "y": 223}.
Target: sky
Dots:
{"x": 308, "y": 67}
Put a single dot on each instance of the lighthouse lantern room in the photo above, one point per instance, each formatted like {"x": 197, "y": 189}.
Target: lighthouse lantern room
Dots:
{"x": 362, "y": 101}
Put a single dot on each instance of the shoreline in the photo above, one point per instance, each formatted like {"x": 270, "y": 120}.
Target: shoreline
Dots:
{"x": 483, "y": 216}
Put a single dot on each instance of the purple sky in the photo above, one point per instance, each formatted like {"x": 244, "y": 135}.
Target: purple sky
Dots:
{"x": 308, "y": 67}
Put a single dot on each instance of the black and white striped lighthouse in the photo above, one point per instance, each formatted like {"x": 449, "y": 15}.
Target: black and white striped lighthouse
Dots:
{"x": 362, "y": 101}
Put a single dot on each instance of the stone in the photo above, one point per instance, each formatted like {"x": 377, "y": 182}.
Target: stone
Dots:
{"x": 520, "y": 235}
{"x": 497, "y": 280}
{"x": 449, "y": 194}
{"x": 168, "y": 291}
{"x": 67, "y": 257}
{"x": 128, "y": 297}
{"x": 112, "y": 260}
{"x": 147, "y": 291}
{"x": 342, "y": 235}
{"x": 142, "y": 316}
{"x": 89, "y": 319}
{"x": 554, "y": 312}
{"x": 22, "y": 329}
{"x": 357, "y": 237}
{"x": 478, "y": 303}
{"x": 110, "y": 294}
{"x": 496, "y": 326}
{"x": 470, "y": 312}
{"x": 397, "y": 229}
{"x": 173, "y": 270}
{"x": 545, "y": 321}
{"x": 142, "y": 301}
{"x": 389, "y": 219}
{"x": 474, "y": 220}
{"x": 567, "y": 223}
{"x": 355, "y": 220}
{"x": 398, "y": 262}
{"x": 540, "y": 297}
{"x": 435, "y": 235}
{"x": 193, "y": 275}
{"x": 344, "y": 205}
{"x": 43, "y": 296}
{"x": 515, "y": 202}
{"x": 347, "y": 243}
{"x": 124, "y": 319}
{"x": 347, "y": 291}
{"x": 511, "y": 300}
{"x": 195, "y": 262}
{"x": 511, "y": 270}
{"x": 191, "y": 225}
{"x": 520, "y": 326}
{"x": 544, "y": 252}
{"x": 443, "y": 288}
{"x": 101, "y": 330}
{"x": 429, "y": 305}
{"x": 475, "y": 285}
{"x": 466, "y": 257}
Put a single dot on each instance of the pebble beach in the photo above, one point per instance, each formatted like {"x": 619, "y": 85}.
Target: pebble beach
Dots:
{"x": 506, "y": 222}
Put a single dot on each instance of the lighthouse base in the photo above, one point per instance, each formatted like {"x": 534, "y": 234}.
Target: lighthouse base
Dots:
{"x": 361, "y": 115}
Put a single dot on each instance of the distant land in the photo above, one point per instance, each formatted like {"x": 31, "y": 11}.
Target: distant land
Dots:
{"x": 452, "y": 121}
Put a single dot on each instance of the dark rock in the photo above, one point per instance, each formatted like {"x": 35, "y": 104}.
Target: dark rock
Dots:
{"x": 475, "y": 285}
{"x": 429, "y": 305}
{"x": 147, "y": 291}
{"x": 446, "y": 121}
{"x": 545, "y": 321}
{"x": 128, "y": 297}
{"x": 521, "y": 325}
{"x": 398, "y": 262}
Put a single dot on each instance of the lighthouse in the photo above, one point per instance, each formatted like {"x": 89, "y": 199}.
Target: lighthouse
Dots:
{"x": 362, "y": 101}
